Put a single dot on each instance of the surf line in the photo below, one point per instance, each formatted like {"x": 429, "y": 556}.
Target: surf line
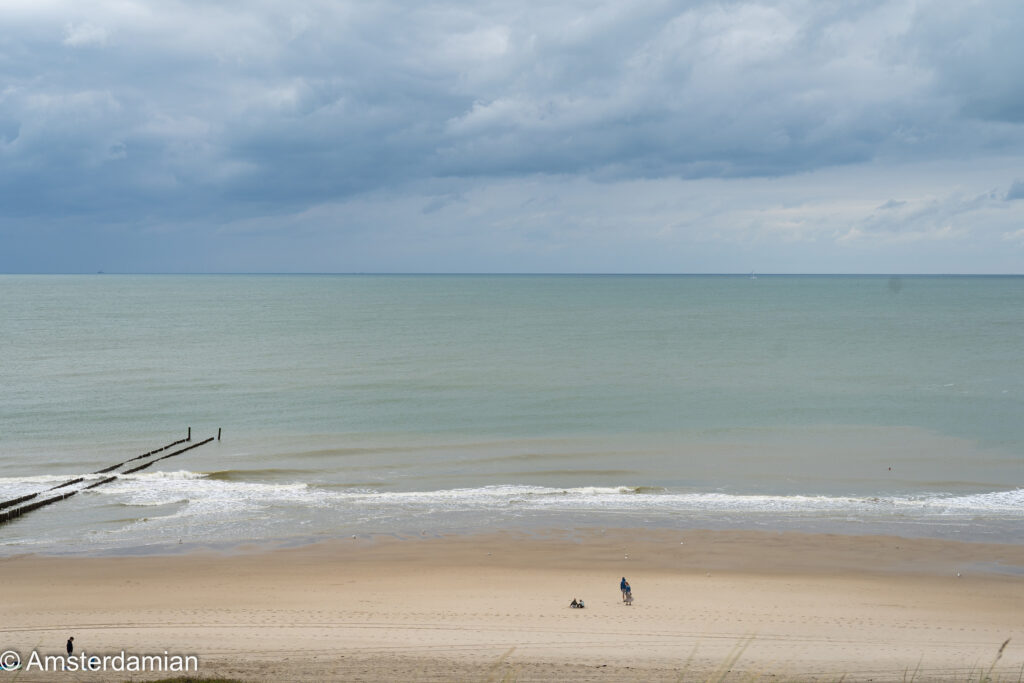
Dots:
{"x": 17, "y": 512}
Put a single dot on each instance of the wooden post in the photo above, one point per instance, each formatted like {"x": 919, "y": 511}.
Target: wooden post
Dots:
{"x": 218, "y": 433}
{"x": 189, "y": 437}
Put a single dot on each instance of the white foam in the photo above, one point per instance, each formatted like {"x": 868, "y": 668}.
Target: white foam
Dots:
{"x": 997, "y": 501}
{"x": 225, "y": 495}
{"x": 625, "y": 499}
{"x": 150, "y": 476}
{"x": 43, "y": 479}
{"x": 211, "y": 508}
{"x": 14, "y": 487}
{"x": 217, "y": 496}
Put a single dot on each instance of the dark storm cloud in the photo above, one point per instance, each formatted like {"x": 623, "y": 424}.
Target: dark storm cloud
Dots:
{"x": 149, "y": 113}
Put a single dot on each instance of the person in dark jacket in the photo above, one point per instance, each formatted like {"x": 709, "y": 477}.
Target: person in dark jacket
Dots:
{"x": 71, "y": 645}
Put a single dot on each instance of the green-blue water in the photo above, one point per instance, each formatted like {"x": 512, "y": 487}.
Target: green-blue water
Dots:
{"x": 362, "y": 404}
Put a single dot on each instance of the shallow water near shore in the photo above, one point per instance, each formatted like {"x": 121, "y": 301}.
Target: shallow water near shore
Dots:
{"x": 436, "y": 404}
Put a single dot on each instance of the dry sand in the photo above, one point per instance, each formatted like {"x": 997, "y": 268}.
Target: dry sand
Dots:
{"x": 495, "y": 607}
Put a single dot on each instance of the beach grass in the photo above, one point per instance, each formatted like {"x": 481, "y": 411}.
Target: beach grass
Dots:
{"x": 495, "y": 673}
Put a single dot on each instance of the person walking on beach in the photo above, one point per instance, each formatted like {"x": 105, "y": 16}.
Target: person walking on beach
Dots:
{"x": 624, "y": 587}
{"x": 71, "y": 645}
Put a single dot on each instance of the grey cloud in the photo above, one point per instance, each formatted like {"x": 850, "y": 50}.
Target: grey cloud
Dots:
{"x": 974, "y": 51}
{"x": 84, "y": 34}
{"x": 1016, "y": 191}
{"x": 135, "y": 113}
{"x": 892, "y": 204}
{"x": 935, "y": 218}
{"x": 387, "y": 92}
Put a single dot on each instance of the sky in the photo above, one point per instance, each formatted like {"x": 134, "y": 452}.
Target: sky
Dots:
{"x": 806, "y": 136}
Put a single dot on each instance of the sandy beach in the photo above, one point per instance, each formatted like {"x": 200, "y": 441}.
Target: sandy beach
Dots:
{"x": 753, "y": 605}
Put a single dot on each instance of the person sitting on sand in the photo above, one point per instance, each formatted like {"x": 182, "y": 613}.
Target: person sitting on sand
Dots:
{"x": 574, "y": 603}
{"x": 581, "y": 605}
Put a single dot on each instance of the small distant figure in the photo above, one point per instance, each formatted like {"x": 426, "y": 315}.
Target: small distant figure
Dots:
{"x": 71, "y": 645}
{"x": 624, "y": 587}
{"x": 581, "y": 605}
{"x": 576, "y": 604}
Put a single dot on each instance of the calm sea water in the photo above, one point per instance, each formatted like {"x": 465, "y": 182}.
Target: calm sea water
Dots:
{"x": 435, "y": 404}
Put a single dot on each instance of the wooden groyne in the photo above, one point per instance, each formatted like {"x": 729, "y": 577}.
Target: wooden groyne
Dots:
{"x": 101, "y": 482}
{"x": 170, "y": 455}
{"x": 145, "y": 455}
{"x": 16, "y": 501}
{"x": 67, "y": 483}
{"x": 18, "y": 512}
{"x": 15, "y": 512}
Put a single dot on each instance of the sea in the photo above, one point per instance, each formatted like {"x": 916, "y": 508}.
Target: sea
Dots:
{"x": 424, "y": 405}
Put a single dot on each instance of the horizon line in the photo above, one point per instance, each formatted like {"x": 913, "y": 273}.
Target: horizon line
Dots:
{"x": 745, "y": 274}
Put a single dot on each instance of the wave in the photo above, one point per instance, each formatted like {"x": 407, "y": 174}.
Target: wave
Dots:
{"x": 164, "y": 507}
{"x": 249, "y": 475}
{"x": 642, "y": 489}
{"x": 148, "y": 504}
{"x": 655, "y": 499}
{"x": 43, "y": 479}
{"x": 179, "y": 475}
{"x": 239, "y": 490}
{"x": 359, "y": 486}
{"x": 1003, "y": 501}
{"x": 576, "y": 473}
